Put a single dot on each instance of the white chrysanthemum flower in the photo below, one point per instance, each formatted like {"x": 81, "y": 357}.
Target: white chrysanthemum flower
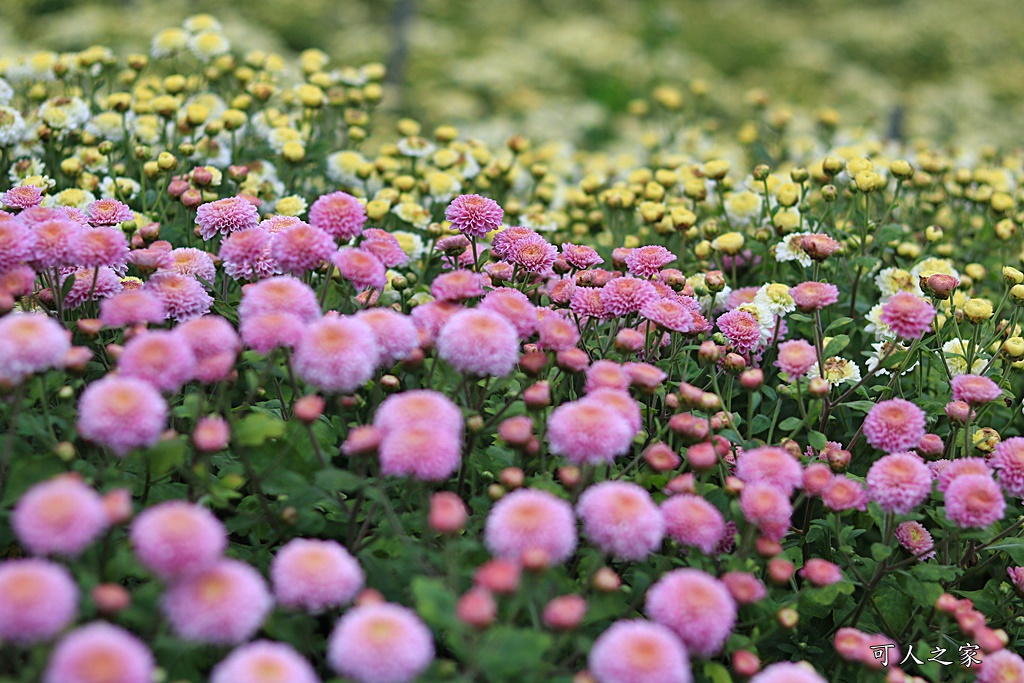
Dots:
{"x": 146, "y": 128}
{"x": 467, "y": 166}
{"x": 790, "y": 249}
{"x": 410, "y": 242}
{"x": 933, "y": 265}
{"x": 881, "y": 349}
{"x": 765, "y": 319}
{"x": 413, "y": 214}
{"x": 342, "y": 167}
{"x": 6, "y": 92}
{"x": 168, "y": 42}
{"x": 12, "y": 127}
{"x": 72, "y": 196}
{"x": 415, "y": 146}
{"x": 201, "y": 22}
{"x": 538, "y": 221}
{"x": 107, "y": 125}
{"x": 956, "y": 351}
{"x": 121, "y": 188}
{"x": 36, "y": 67}
{"x": 206, "y": 45}
{"x": 442, "y": 187}
{"x": 64, "y": 113}
{"x": 26, "y": 168}
{"x": 721, "y": 299}
{"x": 264, "y": 173}
{"x": 351, "y": 76}
{"x": 214, "y": 152}
{"x": 875, "y": 325}
{"x": 892, "y": 280}
{"x": 742, "y": 207}
{"x": 775, "y": 297}
{"x": 837, "y": 371}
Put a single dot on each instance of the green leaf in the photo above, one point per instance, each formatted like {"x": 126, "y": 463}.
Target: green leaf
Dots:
{"x": 760, "y": 423}
{"x": 716, "y": 673}
{"x": 790, "y": 423}
{"x": 512, "y": 654}
{"x": 334, "y": 479}
{"x": 1014, "y": 547}
{"x": 817, "y": 440}
{"x": 836, "y": 345}
{"x": 880, "y": 551}
{"x": 860, "y": 406}
{"x": 165, "y": 456}
{"x": 256, "y": 428}
{"x": 837, "y": 324}
{"x": 434, "y": 602}
{"x": 65, "y": 288}
{"x": 927, "y": 571}
{"x": 866, "y": 262}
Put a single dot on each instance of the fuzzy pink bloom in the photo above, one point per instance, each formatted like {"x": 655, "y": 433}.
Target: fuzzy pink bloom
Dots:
{"x": 150, "y": 259}
{"x": 894, "y": 425}
{"x": 606, "y": 374}
{"x": 264, "y": 662}
{"x": 768, "y": 508}
{"x": 693, "y": 521}
{"x": 315, "y": 575}
{"x": 425, "y": 452}
{"x": 852, "y": 644}
{"x": 622, "y": 403}
{"x": 674, "y": 316}
{"x": 534, "y": 254}
{"x": 627, "y": 294}
{"x": 38, "y": 599}
{"x": 974, "y": 501}
{"x": 396, "y": 334}
{"x": 247, "y": 255}
{"x": 215, "y": 345}
{"x": 647, "y": 261}
{"x": 741, "y": 328}
{"x": 380, "y": 643}
{"x": 645, "y": 376}
{"x": 786, "y": 672}
{"x": 817, "y": 476}
{"x": 814, "y": 296}
{"x": 276, "y": 224}
{"x": 176, "y": 539}
{"x": 121, "y": 413}
{"x": 639, "y": 652}
{"x": 821, "y": 572}
{"x": 621, "y": 519}
{"x": 899, "y": 482}
{"x": 479, "y": 342}
{"x": 30, "y": 343}
{"x": 103, "y": 246}
{"x": 195, "y": 263}
{"x": 384, "y": 246}
{"x": 301, "y": 247}
{"x": 337, "y": 354}
{"x": 54, "y": 243}
{"x": 22, "y": 197}
{"x": 531, "y": 519}
{"x": 17, "y": 244}
{"x": 225, "y": 216}
{"x": 916, "y": 540}
{"x": 907, "y": 315}
{"x": 474, "y": 215}
{"x": 448, "y": 513}
{"x": 62, "y": 515}
{"x": 580, "y": 256}
{"x": 770, "y": 465}
{"x": 224, "y": 604}
{"x": 182, "y": 296}
{"x": 276, "y": 294}
{"x": 360, "y": 267}
{"x": 457, "y": 285}
{"x": 1002, "y": 666}
{"x": 975, "y": 389}
{"x": 108, "y": 212}
{"x": 565, "y": 612}
{"x": 844, "y": 493}
{"x": 504, "y": 240}
{"x": 132, "y": 308}
{"x": 515, "y": 307}
{"x": 265, "y": 332}
{"x": 1008, "y": 460}
{"x": 586, "y": 302}
{"x": 82, "y": 289}
{"x": 100, "y": 653}
{"x": 958, "y": 468}
{"x": 744, "y": 587}
{"x": 339, "y": 214}
{"x": 211, "y": 434}
{"x": 160, "y": 358}
{"x": 418, "y": 408}
{"x": 696, "y": 606}
{"x": 557, "y": 333}
{"x": 589, "y": 430}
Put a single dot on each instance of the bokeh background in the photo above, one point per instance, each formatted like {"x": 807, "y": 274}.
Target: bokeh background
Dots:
{"x": 940, "y": 69}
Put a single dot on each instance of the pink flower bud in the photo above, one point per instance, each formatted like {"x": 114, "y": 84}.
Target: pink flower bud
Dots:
{"x": 211, "y": 434}
{"x": 499, "y": 576}
{"x": 752, "y": 379}
{"x": 931, "y": 446}
{"x": 572, "y": 360}
{"x": 702, "y": 456}
{"x": 110, "y": 598}
{"x": 745, "y": 663}
{"x": 816, "y": 478}
{"x": 117, "y": 504}
{"x": 538, "y": 395}
{"x": 309, "y": 408}
{"x": 512, "y": 477}
{"x": 684, "y": 483}
{"x": 476, "y": 608}
{"x": 780, "y": 571}
{"x": 516, "y": 431}
{"x": 606, "y": 580}
{"x": 361, "y": 440}
{"x": 661, "y": 457}
{"x": 565, "y": 612}
{"x": 447, "y": 513}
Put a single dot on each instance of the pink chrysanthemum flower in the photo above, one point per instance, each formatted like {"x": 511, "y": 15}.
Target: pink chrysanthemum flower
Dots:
{"x": 740, "y": 296}
{"x": 504, "y": 240}
{"x": 796, "y": 357}
{"x": 315, "y": 575}
{"x": 674, "y": 316}
{"x": 264, "y": 662}
{"x": 1001, "y": 666}
{"x": 621, "y": 519}
{"x": 479, "y": 342}
{"x": 975, "y": 389}
{"x": 586, "y": 302}
{"x": 339, "y": 214}
{"x": 916, "y": 540}
{"x": 627, "y": 294}
{"x": 814, "y": 296}
{"x": 103, "y": 246}
{"x": 337, "y": 354}
{"x": 22, "y": 197}
{"x": 396, "y": 334}
{"x": 894, "y": 425}
{"x": 457, "y": 285}
{"x": 852, "y": 644}
{"x": 282, "y": 293}
{"x": 301, "y": 247}
{"x": 741, "y": 328}
{"x": 606, "y": 374}
{"x": 132, "y": 307}
{"x": 418, "y": 408}
{"x": 160, "y": 358}
{"x": 54, "y": 243}
{"x": 534, "y": 254}
{"x": 515, "y": 307}
{"x": 589, "y": 430}
{"x": 215, "y": 345}
{"x": 224, "y": 604}
{"x": 176, "y": 538}
{"x": 107, "y": 284}
{"x": 38, "y": 599}
{"x": 30, "y": 343}
{"x": 224, "y": 216}
{"x": 693, "y": 521}
{"x": 121, "y": 413}
{"x": 843, "y": 493}
{"x": 530, "y": 520}
{"x": 100, "y": 653}
{"x": 639, "y": 651}
{"x": 907, "y": 315}
{"x": 384, "y": 246}
{"x": 62, "y": 516}
{"x": 183, "y": 297}
{"x": 645, "y": 376}
{"x": 150, "y": 259}
{"x": 785, "y": 672}
{"x": 696, "y": 606}
{"x": 276, "y": 224}
{"x": 950, "y": 470}
{"x": 557, "y": 333}
{"x": 474, "y": 215}
{"x": 17, "y": 244}
{"x": 974, "y": 501}
{"x": 108, "y": 212}
{"x": 1008, "y": 461}
{"x": 424, "y": 452}
{"x": 768, "y": 508}
{"x": 821, "y": 572}
{"x": 380, "y": 643}
{"x": 770, "y": 465}
{"x": 619, "y": 401}
{"x": 580, "y": 255}
{"x": 195, "y": 263}
{"x": 744, "y": 587}
{"x": 247, "y": 255}
{"x": 899, "y": 482}
{"x": 265, "y": 332}
{"x": 648, "y": 260}
{"x": 17, "y": 281}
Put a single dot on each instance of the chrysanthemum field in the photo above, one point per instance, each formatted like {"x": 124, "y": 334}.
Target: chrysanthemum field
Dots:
{"x": 295, "y": 390}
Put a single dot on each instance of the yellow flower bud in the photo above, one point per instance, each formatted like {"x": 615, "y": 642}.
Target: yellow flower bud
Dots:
{"x": 310, "y": 95}
{"x": 901, "y": 169}
{"x": 408, "y": 127}
{"x": 151, "y": 169}
{"x": 1001, "y": 202}
{"x": 293, "y": 152}
{"x": 978, "y": 310}
{"x": 788, "y": 194}
{"x": 933, "y": 233}
{"x": 1012, "y": 276}
{"x": 166, "y": 161}
{"x": 196, "y": 114}
{"x": 377, "y": 209}
{"x": 716, "y": 169}
{"x": 868, "y": 181}
{"x": 175, "y": 84}
{"x": 975, "y": 270}
{"x": 703, "y": 249}
{"x": 1014, "y": 347}
{"x": 729, "y": 243}
{"x": 908, "y": 250}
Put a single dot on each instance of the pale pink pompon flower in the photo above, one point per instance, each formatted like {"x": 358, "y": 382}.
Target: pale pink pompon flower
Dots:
{"x": 176, "y": 538}
{"x": 224, "y": 604}
{"x": 786, "y": 672}
{"x": 315, "y": 575}
{"x": 121, "y": 413}
{"x": 635, "y": 651}
{"x": 380, "y": 643}
{"x": 531, "y": 520}
{"x": 899, "y": 482}
{"x": 975, "y": 389}
{"x": 225, "y": 216}
{"x": 38, "y": 599}
{"x": 974, "y": 501}
{"x": 264, "y": 661}
{"x": 100, "y": 649}
{"x": 474, "y": 215}
{"x": 621, "y": 519}
{"x": 337, "y": 354}
{"x": 60, "y": 516}
{"x": 696, "y": 606}
{"x": 692, "y": 521}
{"x": 907, "y": 315}
{"x": 589, "y": 430}
{"x": 1008, "y": 460}
{"x": 894, "y": 425}
{"x": 339, "y": 214}
{"x": 479, "y": 342}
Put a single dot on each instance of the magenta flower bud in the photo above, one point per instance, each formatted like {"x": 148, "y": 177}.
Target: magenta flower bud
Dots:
{"x": 538, "y": 395}
{"x": 476, "y": 607}
{"x": 702, "y": 456}
{"x": 447, "y": 513}
{"x": 931, "y": 446}
{"x": 959, "y": 412}
{"x": 752, "y": 379}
